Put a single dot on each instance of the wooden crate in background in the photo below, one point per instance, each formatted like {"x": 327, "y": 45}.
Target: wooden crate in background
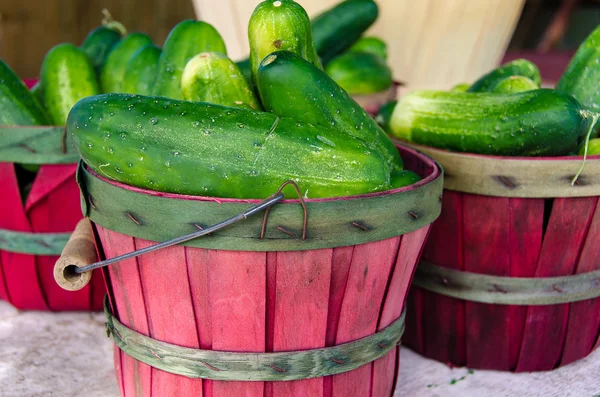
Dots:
{"x": 433, "y": 43}
{"x": 29, "y": 28}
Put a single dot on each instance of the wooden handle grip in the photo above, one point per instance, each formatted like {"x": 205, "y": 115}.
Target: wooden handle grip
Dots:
{"x": 80, "y": 251}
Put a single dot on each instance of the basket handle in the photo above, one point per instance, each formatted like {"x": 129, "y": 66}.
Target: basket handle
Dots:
{"x": 79, "y": 251}
{"x": 73, "y": 270}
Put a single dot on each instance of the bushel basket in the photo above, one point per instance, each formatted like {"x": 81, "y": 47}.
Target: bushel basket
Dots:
{"x": 234, "y": 314}
{"x": 510, "y": 275}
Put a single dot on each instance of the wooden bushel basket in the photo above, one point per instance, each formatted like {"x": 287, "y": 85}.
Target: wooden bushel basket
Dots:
{"x": 205, "y": 317}
{"x": 510, "y": 275}
{"x": 32, "y": 234}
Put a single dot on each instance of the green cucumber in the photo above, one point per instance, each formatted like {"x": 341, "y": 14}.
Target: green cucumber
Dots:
{"x": 201, "y": 149}
{"x": 593, "y": 148}
{"x": 98, "y": 44}
{"x": 141, "y": 70}
{"x": 335, "y": 30}
{"x": 67, "y": 76}
{"x": 18, "y": 106}
{"x": 289, "y": 86}
{"x": 186, "y": 40}
{"x": 372, "y": 45}
{"x": 384, "y": 115}
{"x": 518, "y": 67}
{"x": 512, "y": 84}
{"x": 403, "y": 178}
{"x": 541, "y": 122}
{"x": 360, "y": 73}
{"x": 214, "y": 78}
{"x": 36, "y": 90}
{"x": 244, "y": 66}
{"x": 112, "y": 75}
{"x": 462, "y": 87}
{"x": 280, "y": 25}
{"x": 582, "y": 76}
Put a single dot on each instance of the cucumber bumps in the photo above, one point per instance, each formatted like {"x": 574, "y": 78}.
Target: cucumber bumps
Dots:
{"x": 289, "y": 86}
{"x": 218, "y": 151}
{"x": 185, "y": 41}
{"x": 67, "y": 76}
{"x": 280, "y": 25}
{"x": 214, "y": 78}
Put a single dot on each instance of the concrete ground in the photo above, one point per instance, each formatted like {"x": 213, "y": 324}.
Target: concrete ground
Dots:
{"x": 68, "y": 355}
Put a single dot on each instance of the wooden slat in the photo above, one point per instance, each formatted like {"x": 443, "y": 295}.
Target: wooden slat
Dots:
{"x": 443, "y": 322}
{"x": 531, "y": 177}
{"x": 198, "y": 274}
{"x": 545, "y": 330}
{"x": 486, "y": 238}
{"x": 302, "y": 294}
{"x": 384, "y": 369}
{"x": 584, "y": 317}
{"x": 524, "y": 245}
{"x": 20, "y": 271}
{"x": 128, "y": 297}
{"x": 238, "y": 304}
{"x": 367, "y": 282}
{"x": 170, "y": 313}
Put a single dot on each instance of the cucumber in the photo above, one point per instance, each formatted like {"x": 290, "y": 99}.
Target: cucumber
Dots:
{"x": 512, "y": 84}
{"x": 112, "y": 75}
{"x": 141, "y": 70}
{"x": 518, "y": 67}
{"x": 18, "y": 106}
{"x": 244, "y": 66}
{"x": 212, "y": 77}
{"x": 360, "y": 73}
{"x": 280, "y": 25}
{"x": 385, "y": 115}
{"x": 201, "y": 149}
{"x": 36, "y": 90}
{"x": 67, "y": 76}
{"x": 289, "y": 86}
{"x": 541, "y": 122}
{"x": 462, "y": 87}
{"x": 335, "y": 30}
{"x": 186, "y": 40}
{"x": 403, "y": 178}
{"x": 593, "y": 148}
{"x": 372, "y": 45}
{"x": 582, "y": 76}
{"x": 98, "y": 44}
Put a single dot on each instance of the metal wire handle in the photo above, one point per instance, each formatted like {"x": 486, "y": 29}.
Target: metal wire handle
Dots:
{"x": 182, "y": 239}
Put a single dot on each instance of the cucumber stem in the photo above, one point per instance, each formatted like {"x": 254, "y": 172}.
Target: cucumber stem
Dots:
{"x": 594, "y": 119}
{"x": 110, "y": 23}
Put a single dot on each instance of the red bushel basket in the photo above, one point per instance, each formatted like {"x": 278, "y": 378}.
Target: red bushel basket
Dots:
{"x": 240, "y": 312}
{"x": 510, "y": 276}
{"x": 34, "y": 231}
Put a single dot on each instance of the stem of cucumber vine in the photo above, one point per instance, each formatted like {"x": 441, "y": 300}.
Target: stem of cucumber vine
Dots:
{"x": 594, "y": 119}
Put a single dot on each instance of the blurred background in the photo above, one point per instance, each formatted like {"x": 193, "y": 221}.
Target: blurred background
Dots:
{"x": 553, "y": 27}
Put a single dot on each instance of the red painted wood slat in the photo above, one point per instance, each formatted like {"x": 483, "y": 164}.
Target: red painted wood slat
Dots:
{"x": 238, "y": 303}
{"x": 302, "y": 293}
{"x": 544, "y": 334}
{"x": 367, "y": 282}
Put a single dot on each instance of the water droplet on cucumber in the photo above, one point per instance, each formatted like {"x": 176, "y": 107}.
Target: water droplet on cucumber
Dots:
{"x": 153, "y": 120}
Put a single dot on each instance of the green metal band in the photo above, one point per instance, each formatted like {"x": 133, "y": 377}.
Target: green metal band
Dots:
{"x": 33, "y": 243}
{"x": 282, "y": 366}
{"x": 484, "y": 288}
{"x": 331, "y": 223}
{"x": 36, "y": 145}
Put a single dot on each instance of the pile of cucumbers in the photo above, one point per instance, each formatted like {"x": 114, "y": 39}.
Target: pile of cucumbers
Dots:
{"x": 204, "y": 127}
{"x": 506, "y": 113}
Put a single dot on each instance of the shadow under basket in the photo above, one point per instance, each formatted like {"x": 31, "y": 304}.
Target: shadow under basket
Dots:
{"x": 510, "y": 276}
{"x": 36, "y": 223}
{"x": 190, "y": 319}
